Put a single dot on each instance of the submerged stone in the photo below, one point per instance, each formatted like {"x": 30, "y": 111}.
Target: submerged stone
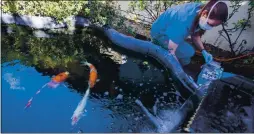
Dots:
{"x": 119, "y": 96}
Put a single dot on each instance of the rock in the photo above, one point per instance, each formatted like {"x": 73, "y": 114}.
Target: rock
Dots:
{"x": 106, "y": 93}
{"x": 41, "y": 34}
{"x": 232, "y": 87}
{"x": 229, "y": 114}
{"x": 119, "y": 96}
{"x": 165, "y": 94}
{"x": 136, "y": 119}
{"x": 130, "y": 131}
{"x": 239, "y": 96}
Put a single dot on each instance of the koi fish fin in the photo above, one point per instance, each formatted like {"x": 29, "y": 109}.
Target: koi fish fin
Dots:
{"x": 52, "y": 84}
{"x": 38, "y": 92}
{"x": 44, "y": 85}
{"x": 85, "y": 63}
{"x": 64, "y": 85}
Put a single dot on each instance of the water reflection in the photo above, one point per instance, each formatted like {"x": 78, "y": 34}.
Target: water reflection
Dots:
{"x": 111, "y": 102}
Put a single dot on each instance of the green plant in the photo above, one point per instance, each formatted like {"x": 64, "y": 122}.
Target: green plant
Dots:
{"x": 153, "y": 9}
{"x": 241, "y": 25}
{"x": 98, "y": 12}
{"x": 56, "y": 9}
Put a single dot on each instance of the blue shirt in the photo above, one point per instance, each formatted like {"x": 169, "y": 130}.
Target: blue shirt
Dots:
{"x": 176, "y": 22}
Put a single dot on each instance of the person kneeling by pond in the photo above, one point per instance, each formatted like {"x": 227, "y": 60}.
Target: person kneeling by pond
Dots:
{"x": 172, "y": 28}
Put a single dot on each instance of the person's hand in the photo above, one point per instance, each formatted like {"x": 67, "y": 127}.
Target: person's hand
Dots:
{"x": 208, "y": 57}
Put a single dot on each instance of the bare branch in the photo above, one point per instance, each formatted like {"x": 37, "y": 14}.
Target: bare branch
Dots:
{"x": 245, "y": 24}
{"x": 151, "y": 14}
{"x": 241, "y": 44}
{"x": 229, "y": 40}
{"x": 236, "y": 6}
{"x": 225, "y": 37}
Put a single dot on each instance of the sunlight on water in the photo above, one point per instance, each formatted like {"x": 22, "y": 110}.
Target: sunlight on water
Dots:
{"x": 13, "y": 82}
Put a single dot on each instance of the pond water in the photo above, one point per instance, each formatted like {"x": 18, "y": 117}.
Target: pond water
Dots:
{"x": 29, "y": 62}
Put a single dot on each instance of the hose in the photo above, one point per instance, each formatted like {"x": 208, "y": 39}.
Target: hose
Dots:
{"x": 227, "y": 59}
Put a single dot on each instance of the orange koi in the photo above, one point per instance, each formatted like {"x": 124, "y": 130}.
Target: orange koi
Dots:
{"x": 93, "y": 75}
{"x": 60, "y": 77}
{"x": 55, "y": 81}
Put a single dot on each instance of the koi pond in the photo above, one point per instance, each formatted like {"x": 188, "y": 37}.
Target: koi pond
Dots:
{"x": 29, "y": 62}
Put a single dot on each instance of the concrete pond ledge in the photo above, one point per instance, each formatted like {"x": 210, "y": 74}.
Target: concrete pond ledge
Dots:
{"x": 39, "y": 22}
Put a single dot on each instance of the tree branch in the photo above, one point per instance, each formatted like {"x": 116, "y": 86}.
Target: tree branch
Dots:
{"x": 229, "y": 40}
{"x": 245, "y": 24}
{"x": 150, "y": 13}
{"x": 165, "y": 6}
{"x": 240, "y": 46}
{"x": 235, "y": 9}
{"x": 225, "y": 37}
{"x": 159, "y": 9}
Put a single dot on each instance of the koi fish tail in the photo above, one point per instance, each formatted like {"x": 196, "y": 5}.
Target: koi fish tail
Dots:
{"x": 85, "y": 63}
{"x": 28, "y": 103}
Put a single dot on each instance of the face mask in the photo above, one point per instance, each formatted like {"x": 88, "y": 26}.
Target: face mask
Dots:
{"x": 203, "y": 24}
{"x": 203, "y": 21}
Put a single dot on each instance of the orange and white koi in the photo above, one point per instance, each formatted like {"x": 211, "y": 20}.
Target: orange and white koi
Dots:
{"x": 55, "y": 81}
{"x": 80, "y": 108}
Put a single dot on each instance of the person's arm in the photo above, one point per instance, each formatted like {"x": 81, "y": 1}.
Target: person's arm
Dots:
{"x": 197, "y": 41}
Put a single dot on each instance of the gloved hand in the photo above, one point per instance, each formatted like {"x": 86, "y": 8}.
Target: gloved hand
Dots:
{"x": 208, "y": 57}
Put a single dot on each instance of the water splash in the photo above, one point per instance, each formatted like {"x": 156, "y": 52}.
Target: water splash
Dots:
{"x": 168, "y": 121}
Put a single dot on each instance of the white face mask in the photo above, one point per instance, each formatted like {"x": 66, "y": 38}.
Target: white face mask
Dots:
{"x": 203, "y": 24}
{"x": 203, "y": 21}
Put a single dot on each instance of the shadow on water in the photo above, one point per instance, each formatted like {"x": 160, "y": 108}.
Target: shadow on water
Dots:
{"x": 118, "y": 84}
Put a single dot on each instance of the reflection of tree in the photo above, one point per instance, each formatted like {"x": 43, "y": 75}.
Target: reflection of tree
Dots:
{"x": 50, "y": 56}
{"x": 49, "y": 52}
